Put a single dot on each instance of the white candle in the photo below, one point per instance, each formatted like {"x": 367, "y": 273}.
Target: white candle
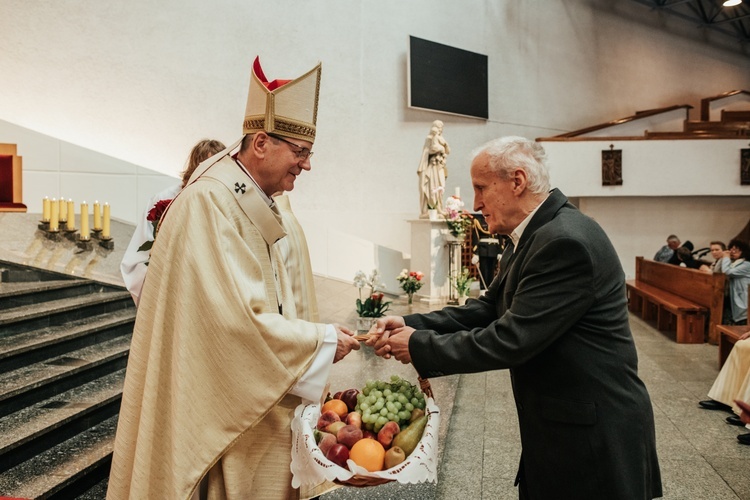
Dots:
{"x": 45, "y": 209}
{"x": 63, "y": 213}
{"x": 84, "y": 221}
{"x": 54, "y": 220}
{"x": 458, "y": 192}
{"x": 97, "y": 217}
{"x": 71, "y": 216}
{"x": 105, "y": 226}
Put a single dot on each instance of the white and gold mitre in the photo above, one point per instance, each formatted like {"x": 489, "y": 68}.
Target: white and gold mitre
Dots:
{"x": 283, "y": 107}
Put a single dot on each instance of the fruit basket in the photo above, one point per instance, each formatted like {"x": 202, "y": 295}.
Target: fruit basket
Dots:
{"x": 310, "y": 466}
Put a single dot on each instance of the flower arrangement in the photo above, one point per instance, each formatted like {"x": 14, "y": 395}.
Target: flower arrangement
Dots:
{"x": 373, "y": 306}
{"x": 462, "y": 282}
{"x": 154, "y": 216}
{"x": 459, "y": 220}
{"x": 411, "y": 282}
{"x": 437, "y": 199}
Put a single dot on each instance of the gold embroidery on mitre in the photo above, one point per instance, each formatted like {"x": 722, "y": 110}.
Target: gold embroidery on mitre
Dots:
{"x": 290, "y": 110}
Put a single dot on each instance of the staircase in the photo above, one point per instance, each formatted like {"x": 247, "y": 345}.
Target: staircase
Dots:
{"x": 63, "y": 349}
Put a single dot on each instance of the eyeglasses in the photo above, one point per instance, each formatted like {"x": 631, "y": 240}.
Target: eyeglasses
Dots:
{"x": 302, "y": 154}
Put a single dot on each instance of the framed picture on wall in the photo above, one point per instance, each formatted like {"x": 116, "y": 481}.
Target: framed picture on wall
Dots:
{"x": 612, "y": 167}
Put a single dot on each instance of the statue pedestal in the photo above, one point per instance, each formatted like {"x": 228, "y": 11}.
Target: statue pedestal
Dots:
{"x": 430, "y": 255}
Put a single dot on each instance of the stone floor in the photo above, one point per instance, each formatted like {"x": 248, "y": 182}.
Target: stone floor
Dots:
{"x": 699, "y": 454}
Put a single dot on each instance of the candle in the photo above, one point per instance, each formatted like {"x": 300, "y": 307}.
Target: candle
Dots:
{"x": 84, "y": 221}
{"x": 54, "y": 220}
{"x": 97, "y": 217}
{"x": 105, "y": 226}
{"x": 63, "y": 213}
{"x": 458, "y": 192}
{"x": 71, "y": 216}
{"x": 45, "y": 209}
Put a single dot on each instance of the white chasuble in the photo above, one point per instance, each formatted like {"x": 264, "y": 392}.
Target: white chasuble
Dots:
{"x": 212, "y": 361}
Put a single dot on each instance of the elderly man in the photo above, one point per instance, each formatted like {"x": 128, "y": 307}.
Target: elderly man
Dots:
{"x": 556, "y": 316}
{"x": 219, "y": 360}
{"x": 667, "y": 252}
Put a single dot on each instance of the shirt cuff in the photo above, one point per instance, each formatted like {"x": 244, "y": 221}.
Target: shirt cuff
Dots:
{"x": 314, "y": 381}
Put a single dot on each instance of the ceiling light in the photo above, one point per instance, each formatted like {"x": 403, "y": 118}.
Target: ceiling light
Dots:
{"x": 731, "y": 3}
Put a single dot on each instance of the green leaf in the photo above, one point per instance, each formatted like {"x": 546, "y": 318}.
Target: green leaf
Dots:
{"x": 146, "y": 246}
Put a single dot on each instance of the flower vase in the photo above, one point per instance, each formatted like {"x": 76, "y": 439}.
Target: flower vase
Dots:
{"x": 364, "y": 324}
{"x": 462, "y": 300}
{"x": 411, "y": 298}
{"x": 432, "y": 214}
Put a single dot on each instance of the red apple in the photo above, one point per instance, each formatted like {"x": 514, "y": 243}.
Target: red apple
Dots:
{"x": 338, "y": 454}
{"x": 368, "y": 434}
{"x": 349, "y": 397}
{"x": 337, "y": 395}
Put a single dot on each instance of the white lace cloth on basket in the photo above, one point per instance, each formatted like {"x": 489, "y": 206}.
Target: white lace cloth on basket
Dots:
{"x": 311, "y": 467}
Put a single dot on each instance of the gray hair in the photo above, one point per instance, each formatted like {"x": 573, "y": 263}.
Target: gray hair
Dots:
{"x": 507, "y": 154}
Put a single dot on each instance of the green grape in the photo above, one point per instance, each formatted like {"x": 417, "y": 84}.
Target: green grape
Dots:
{"x": 390, "y": 398}
{"x": 371, "y": 399}
{"x": 370, "y": 384}
{"x": 414, "y": 401}
{"x": 402, "y": 399}
{"x": 365, "y": 392}
{"x": 404, "y": 415}
{"x": 363, "y": 406}
{"x": 381, "y": 421}
{"x": 387, "y": 392}
{"x": 397, "y": 405}
{"x": 384, "y": 411}
{"x": 392, "y": 416}
{"x": 408, "y": 407}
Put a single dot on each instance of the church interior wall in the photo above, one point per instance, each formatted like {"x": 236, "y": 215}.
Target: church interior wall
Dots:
{"x": 139, "y": 85}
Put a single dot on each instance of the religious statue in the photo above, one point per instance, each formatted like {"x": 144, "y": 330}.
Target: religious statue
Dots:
{"x": 432, "y": 171}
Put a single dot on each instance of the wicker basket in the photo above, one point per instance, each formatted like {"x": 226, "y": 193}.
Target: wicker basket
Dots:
{"x": 363, "y": 481}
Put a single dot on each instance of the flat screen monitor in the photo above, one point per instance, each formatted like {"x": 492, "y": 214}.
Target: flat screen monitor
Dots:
{"x": 446, "y": 79}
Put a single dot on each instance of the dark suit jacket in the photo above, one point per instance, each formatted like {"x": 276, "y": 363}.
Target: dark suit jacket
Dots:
{"x": 557, "y": 317}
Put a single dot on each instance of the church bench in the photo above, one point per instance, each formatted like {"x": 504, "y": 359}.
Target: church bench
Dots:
{"x": 687, "y": 301}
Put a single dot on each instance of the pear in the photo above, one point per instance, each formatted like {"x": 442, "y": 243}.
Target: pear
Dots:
{"x": 408, "y": 438}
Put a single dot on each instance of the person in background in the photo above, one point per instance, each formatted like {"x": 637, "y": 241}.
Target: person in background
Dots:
{"x": 686, "y": 259}
{"x": 555, "y": 315}
{"x": 667, "y": 252}
{"x": 736, "y": 267}
{"x": 717, "y": 252}
{"x": 219, "y": 360}
{"x": 732, "y": 385}
{"x": 134, "y": 262}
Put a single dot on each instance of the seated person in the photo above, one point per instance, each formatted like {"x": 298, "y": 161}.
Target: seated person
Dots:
{"x": 717, "y": 252}
{"x": 733, "y": 383}
{"x": 737, "y": 270}
{"x": 685, "y": 256}
{"x": 666, "y": 253}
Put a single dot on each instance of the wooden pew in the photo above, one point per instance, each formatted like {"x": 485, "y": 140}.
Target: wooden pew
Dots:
{"x": 676, "y": 298}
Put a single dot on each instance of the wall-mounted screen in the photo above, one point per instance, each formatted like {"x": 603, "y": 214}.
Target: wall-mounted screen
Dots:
{"x": 446, "y": 79}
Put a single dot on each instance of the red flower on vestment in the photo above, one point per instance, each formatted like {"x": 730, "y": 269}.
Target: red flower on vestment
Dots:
{"x": 154, "y": 215}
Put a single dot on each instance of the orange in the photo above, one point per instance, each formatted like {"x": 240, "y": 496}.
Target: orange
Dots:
{"x": 337, "y": 406}
{"x": 369, "y": 454}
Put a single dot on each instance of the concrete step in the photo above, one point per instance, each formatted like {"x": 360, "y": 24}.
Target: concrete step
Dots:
{"x": 35, "y": 429}
{"x": 14, "y": 273}
{"x": 23, "y": 294}
{"x": 30, "y": 347}
{"x": 31, "y": 384}
{"x": 55, "y": 312}
{"x": 66, "y": 470}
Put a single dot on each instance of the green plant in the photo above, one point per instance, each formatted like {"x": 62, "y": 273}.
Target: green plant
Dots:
{"x": 462, "y": 282}
{"x": 373, "y": 306}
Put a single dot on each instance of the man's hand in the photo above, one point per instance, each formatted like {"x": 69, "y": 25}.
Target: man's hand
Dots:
{"x": 346, "y": 343}
{"x": 397, "y": 344}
